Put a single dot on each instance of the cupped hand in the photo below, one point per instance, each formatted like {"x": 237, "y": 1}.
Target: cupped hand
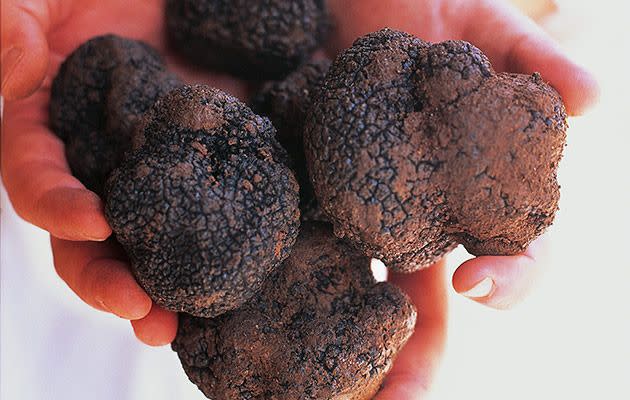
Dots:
{"x": 513, "y": 43}
{"x": 38, "y": 35}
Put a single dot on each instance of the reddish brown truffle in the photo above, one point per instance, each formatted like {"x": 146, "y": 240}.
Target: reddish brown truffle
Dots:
{"x": 413, "y": 147}
{"x": 286, "y": 103}
{"x": 256, "y": 39}
{"x": 98, "y": 97}
{"x": 205, "y": 205}
{"x": 321, "y": 328}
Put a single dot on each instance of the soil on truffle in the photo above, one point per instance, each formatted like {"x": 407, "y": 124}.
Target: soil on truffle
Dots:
{"x": 320, "y": 328}
{"x": 254, "y": 39}
{"x": 98, "y": 98}
{"x": 205, "y": 205}
{"x": 286, "y": 103}
{"x": 414, "y": 147}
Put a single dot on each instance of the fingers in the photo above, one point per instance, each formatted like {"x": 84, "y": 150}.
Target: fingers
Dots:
{"x": 513, "y": 42}
{"x": 39, "y": 182}
{"x": 24, "y": 46}
{"x": 498, "y": 282}
{"x": 96, "y": 273}
{"x": 158, "y": 328}
{"x": 415, "y": 366}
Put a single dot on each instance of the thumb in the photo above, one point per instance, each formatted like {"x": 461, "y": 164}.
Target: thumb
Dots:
{"x": 25, "y": 54}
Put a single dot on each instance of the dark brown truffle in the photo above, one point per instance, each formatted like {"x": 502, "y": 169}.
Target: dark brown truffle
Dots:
{"x": 321, "y": 328}
{"x": 99, "y": 95}
{"x": 413, "y": 147}
{"x": 205, "y": 205}
{"x": 257, "y": 39}
{"x": 286, "y": 103}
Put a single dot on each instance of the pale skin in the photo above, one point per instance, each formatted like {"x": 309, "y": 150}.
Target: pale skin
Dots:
{"x": 38, "y": 34}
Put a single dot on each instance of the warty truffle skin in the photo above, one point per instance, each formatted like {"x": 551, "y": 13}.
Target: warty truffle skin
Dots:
{"x": 286, "y": 103}
{"x": 321, "y": 328}
{"x": 204, "y": 205}
{"x": 98, "y": 97}
{"x": 414, "y": 147}
{"x": 254, "y": 39}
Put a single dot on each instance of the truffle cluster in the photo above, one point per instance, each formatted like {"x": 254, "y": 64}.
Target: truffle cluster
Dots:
{"x": 98, "y": 97}
{"x": 261, "y": 39}
{"x": 407, "y": 147}
{"x": 205, "y": 205}
{"x": 286, "y": 103}
{"x": 413, "y": 147}
{"x": 320, "y": 328}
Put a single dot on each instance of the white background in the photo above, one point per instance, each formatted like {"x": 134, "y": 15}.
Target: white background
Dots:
{"x": 569, "y": 340}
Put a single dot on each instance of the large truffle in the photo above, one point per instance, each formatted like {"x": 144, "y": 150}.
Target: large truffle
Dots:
{"x": 413, "y": 147}
{"x": 259, "y": 39}
{"x": 99, "y": 95}
{"x": 286, "y": 103}
{"x": 204, "y": 205}
{"x": 321, "y": 328}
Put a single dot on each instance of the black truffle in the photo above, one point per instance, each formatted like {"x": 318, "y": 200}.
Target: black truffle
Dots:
{"x": 256, "y": 39}
{"x": 321, "y": 328}
{"x": 413, "y": 147}
{"x": 205, "y": 205}
{"x": 286, "y": 103}
{"x": 99, "y": 95}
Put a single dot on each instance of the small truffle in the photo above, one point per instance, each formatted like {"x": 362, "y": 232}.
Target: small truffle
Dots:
{"x": 321, "y": 328}
{"x": 254, "y": 39}
{"x": 413, "y": 147}
{"x": 286, "y": 103}
{"x": 205, "y": 205}
{"x": 98, "y": 97}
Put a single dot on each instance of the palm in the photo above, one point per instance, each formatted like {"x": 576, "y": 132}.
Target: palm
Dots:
{"x": 92, "y": 17}
{"x": 41, "y": 186}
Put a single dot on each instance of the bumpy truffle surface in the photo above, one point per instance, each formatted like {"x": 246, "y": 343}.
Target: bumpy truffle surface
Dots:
{"x": 205, "y": 205}
{"x": 98, "y": 97}
{"x": 260, "y": 39}
{"x": 286, "y": 103}
{"x": 321, "y": 328}
{"x": 413, "y": 147}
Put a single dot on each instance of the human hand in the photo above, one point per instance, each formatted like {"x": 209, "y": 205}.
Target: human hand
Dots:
{"x": 513, "y": 43}
{"x": 37, "y": 36}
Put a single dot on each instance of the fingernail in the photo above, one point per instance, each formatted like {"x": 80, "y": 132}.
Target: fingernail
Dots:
{"x": 483, "y": 288}
{"x": 9, "y": 60}
{"x": 91, "y": 238}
